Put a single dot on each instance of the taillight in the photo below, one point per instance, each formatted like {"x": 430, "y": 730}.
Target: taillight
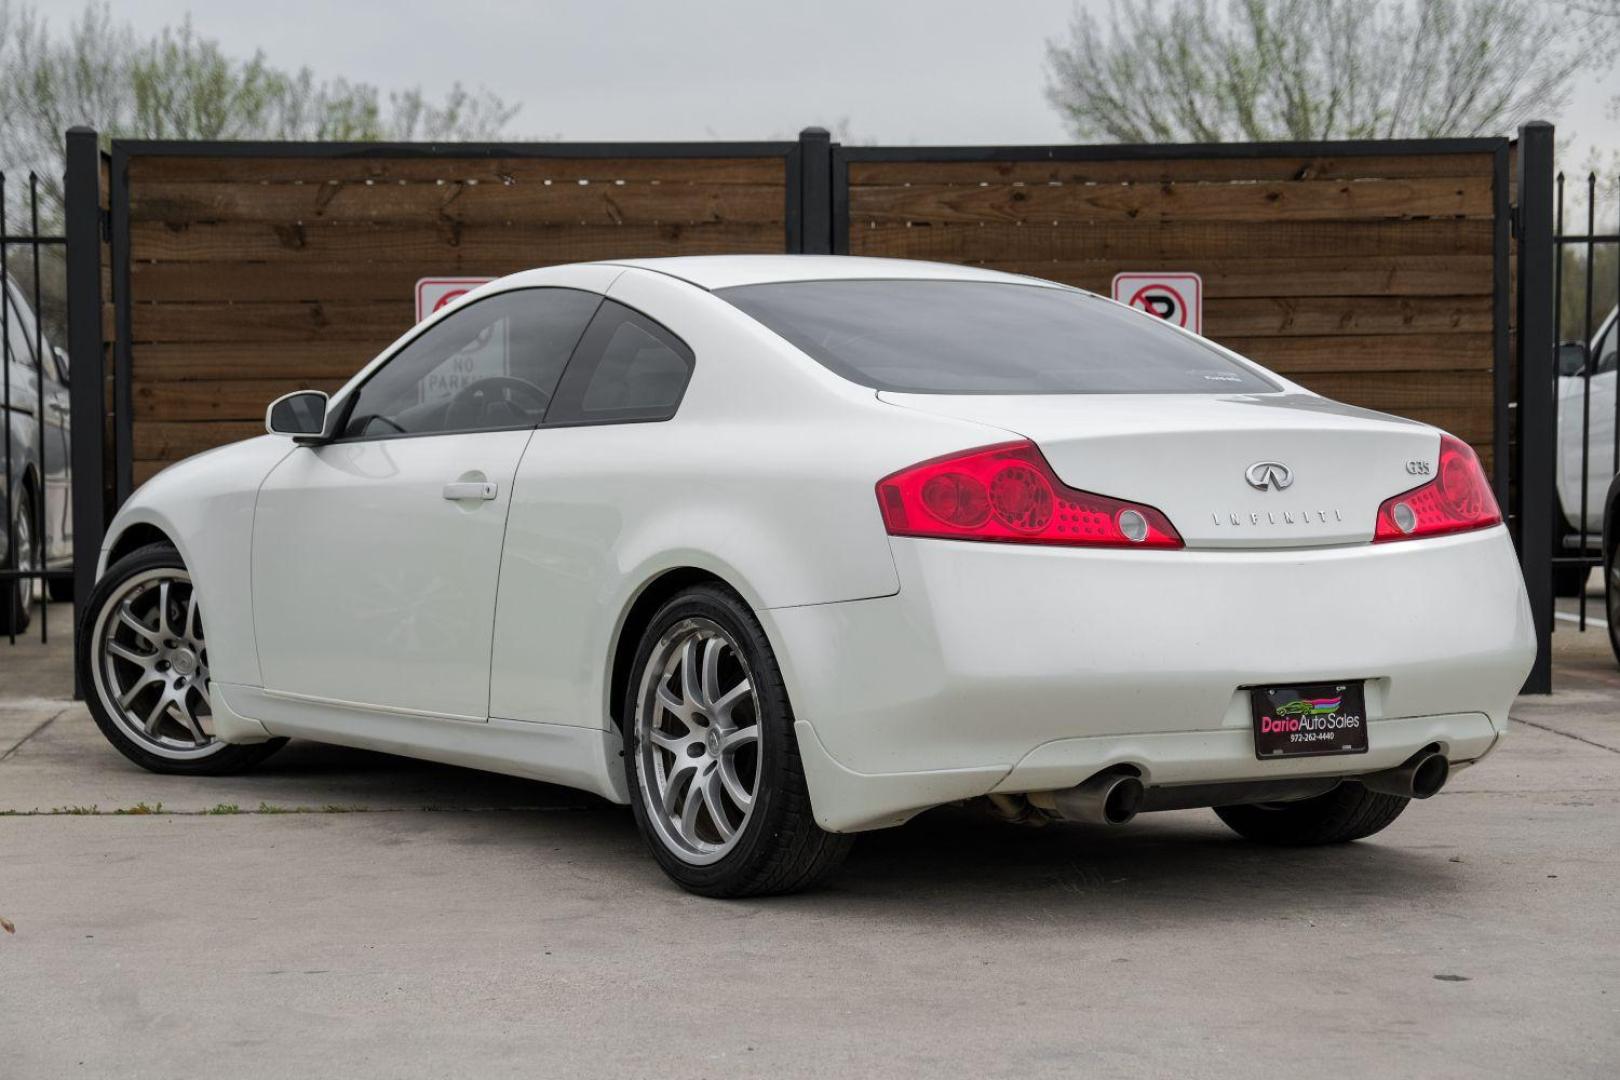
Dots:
{"x": 1458, "y": 499}
{"x": 1009, "y": 493}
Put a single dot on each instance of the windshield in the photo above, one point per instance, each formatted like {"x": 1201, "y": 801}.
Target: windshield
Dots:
{"x": 972, "y": 337}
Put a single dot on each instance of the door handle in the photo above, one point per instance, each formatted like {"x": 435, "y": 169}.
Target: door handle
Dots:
{"x": 470, "y": 489}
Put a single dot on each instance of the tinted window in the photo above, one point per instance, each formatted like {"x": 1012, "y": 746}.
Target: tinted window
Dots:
{"x": 20, "y": 330}
{"x": 492, "y": 365}
{"x": 627, "y": 368}
{"x": 968, "y": 337}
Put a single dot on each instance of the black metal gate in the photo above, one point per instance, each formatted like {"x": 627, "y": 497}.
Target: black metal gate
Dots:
{"x": 1586, "y": 271}
{"x": 35, "y": 474}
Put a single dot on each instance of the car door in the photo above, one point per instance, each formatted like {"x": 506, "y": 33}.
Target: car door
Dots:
{"x": 27, "y": 377}
{"x": 376, "y": 556}
{"x": 1600, "y": 438}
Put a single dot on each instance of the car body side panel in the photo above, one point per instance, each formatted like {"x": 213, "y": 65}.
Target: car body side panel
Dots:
{"x": 205, "y": 504}
{"x": 765, "y": 478}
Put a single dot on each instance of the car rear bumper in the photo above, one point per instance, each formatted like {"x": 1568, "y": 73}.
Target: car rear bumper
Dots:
{"x": 1008, "y": 669}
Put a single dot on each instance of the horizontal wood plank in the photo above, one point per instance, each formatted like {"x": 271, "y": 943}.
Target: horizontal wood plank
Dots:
{"x": 1361, "y": 315}
{"x": 1297, "y": 356}
{"x": 337, "y": 320}
{"x": 170, "y": 441}
{"x": 1124, "y": 240}
{"x": 1173, "y": 170}
{"x": 1374, "y": 275}
{"x": 150, "y": 169}
{"x": 446, "y": 247}
{"x": 1306, "y": 200}
{"x": 240, "y": 399}
{"x": 232, "y": 360}
{"x": 1408, "y": 275}
{"x": 533, "y": 203}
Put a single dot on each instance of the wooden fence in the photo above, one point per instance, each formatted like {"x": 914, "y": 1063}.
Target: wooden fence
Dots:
{"x": 257, "y": 270}
{"x": 1373, "y": 272}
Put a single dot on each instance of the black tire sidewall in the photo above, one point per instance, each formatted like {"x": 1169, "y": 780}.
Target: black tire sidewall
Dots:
{"x": 775, "y": 717}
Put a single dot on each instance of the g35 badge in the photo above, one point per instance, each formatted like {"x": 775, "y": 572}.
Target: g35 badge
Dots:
{"x": 1418, "y": 468}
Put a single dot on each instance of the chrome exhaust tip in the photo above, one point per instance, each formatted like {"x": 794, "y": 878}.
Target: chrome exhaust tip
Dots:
{"x": 1420, "y": 776}
{"x": 1109, "y": 798}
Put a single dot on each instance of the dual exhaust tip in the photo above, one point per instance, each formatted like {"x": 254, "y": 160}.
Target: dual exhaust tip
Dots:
{"x": 1109, "y": 798}
{"x": 1420, "y": 776}
{"x": 1114, "y": 798}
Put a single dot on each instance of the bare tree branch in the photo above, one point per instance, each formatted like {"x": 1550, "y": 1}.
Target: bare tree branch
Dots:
{"x": 1192, "y": 71}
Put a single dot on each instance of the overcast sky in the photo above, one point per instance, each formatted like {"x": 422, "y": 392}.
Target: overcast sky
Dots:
{"x": 899, "y": 71}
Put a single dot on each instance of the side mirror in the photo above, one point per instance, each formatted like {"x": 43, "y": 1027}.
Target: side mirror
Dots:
{"x": 1571, "y": 358}
{"x": 300, "y": 415}
{"x": 62, "y": 369}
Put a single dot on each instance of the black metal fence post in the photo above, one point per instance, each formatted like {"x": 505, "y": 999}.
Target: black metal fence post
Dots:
{"x": 815, "y": 191}
{"x": 1537, "y": 406}
{"x": 86, "y": 375}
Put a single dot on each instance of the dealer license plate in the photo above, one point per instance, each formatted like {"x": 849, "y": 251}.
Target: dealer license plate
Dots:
{"x": 1308, "y": 719}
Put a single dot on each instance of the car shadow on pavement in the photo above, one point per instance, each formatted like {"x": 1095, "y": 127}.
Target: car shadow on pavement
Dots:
{"x": 952, "y": 863}
{"x": 1183, "y": 863}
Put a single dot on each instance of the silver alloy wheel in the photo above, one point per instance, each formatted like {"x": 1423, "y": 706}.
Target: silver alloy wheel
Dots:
{"x": 698, "y": 741}
{"x": 151, "y": 665}
{"x": 28, "y": 589}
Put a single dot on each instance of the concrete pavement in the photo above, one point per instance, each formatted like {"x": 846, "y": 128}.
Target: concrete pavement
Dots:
{"x": 422, "y": 921}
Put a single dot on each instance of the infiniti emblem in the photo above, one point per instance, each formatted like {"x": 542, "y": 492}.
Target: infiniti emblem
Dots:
{"x": 1263, "y": 475}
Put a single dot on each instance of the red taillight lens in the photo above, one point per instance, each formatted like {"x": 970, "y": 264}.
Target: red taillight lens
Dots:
{"x": 1458, "y": 499}
{"x": 1009, "y": 493}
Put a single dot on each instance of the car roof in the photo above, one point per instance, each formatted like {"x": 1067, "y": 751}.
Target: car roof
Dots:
{"x": 725, "y": 271}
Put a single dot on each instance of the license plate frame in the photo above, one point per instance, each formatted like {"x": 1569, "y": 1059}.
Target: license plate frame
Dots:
{"x": 1314, "y": 719}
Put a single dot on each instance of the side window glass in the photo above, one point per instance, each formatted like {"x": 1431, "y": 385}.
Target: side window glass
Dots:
{"x": 1606, "y": 349}
{"x": 19, "y": 343}
{"x": 627, "y": 368}
{"x": 491, "y": 366}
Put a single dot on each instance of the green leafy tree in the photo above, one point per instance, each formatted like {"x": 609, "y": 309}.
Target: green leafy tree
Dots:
{"x": 1258, "y": 70}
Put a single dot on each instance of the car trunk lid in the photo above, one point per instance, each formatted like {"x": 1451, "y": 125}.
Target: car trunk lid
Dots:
{"x": 1246, "y": 471}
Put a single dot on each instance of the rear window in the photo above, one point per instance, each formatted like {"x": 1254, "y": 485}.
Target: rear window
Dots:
{"x": 971, "y": 337}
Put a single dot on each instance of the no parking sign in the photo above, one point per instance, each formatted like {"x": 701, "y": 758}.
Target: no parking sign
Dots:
{"x": 1174, "y": 297}
{"x": 433, "y": 293}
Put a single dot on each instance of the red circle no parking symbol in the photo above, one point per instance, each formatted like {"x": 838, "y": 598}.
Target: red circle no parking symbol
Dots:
{"x": 1177, "y": 298}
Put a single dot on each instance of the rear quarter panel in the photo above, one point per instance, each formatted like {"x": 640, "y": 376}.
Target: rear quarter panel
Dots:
{"x": 764, "y": 478}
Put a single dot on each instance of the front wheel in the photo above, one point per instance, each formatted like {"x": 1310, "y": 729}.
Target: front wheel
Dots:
{"x": 144, "y": 658}
{"x": 1348, "y": 812}
{"x": 715, "y": 778}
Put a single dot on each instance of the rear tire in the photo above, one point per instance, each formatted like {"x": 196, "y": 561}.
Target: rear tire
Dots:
{"x": 143, "y": 662}
{"x": 1348, "y": 812}
{"x": 17, "y": 596}
{"x": 716, "y": 782}
{"x": 1568, "y": 581}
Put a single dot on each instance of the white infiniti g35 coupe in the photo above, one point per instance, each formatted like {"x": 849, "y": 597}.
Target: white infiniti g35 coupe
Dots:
{"x": 779, "y": 549}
